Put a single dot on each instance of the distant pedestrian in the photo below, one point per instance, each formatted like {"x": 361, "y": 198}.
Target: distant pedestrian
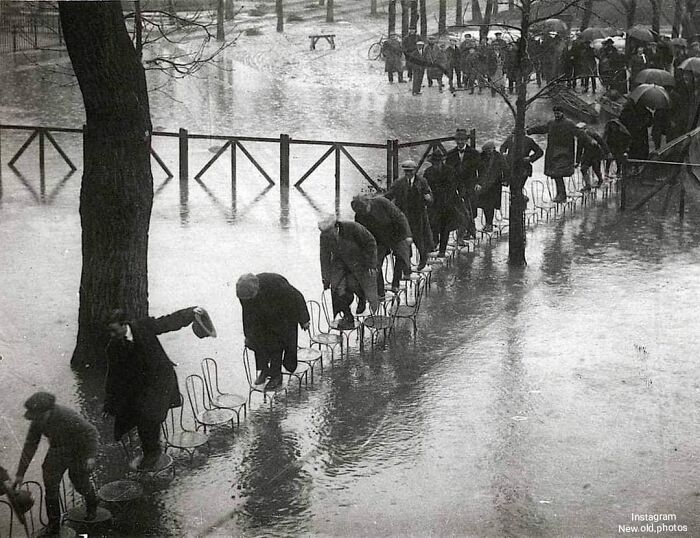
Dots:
{"x": 392, "y": 233}
{"x": 410, "y": 49}
{"x": 348, "y": 267}
{"x": 393, "y": 57}
{"x": 418, "y": 62}
{"x": 141, "y": 383}
{"x": 454, "y": 65}
{"x": 72, "y": 448}
{"x": 411, "y": 194}
{"x": 638, "y": 63}
{"x": 436, "y": 62}
{"x": 273, "y": 311}
{"x": 470, "y": 70}
{"x": 618, "y": 139}
{"x": 559, "y": 157}
{"x": 637, "y": 119}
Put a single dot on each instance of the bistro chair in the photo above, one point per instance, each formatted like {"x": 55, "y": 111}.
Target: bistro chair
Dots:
{"x": 333, "y": 324}
{"x": 250, "y": 374}
{"x": 317, "y": 337}
{"x": 310, "y": 357}
{"x": 35, "y": 517}
{"x": 409, "y": 310}
{"x": 179, "y": 436}
{"x": 205, "y": 413}
{"x": 538, "y": 190}
{"x": 377, "y": 323}
{"x": 74, "y": 511}
{"x": 226, "y": 400}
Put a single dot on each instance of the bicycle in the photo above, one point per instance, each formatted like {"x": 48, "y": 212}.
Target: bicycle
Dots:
{"x": 376, "y": 50}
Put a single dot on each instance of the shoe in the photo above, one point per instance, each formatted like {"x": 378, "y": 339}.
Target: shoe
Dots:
{"x": 441, "y": 254}
{"x": 488, "y": 228}
{"x": 421, "y": 265}
{"x": 361, "y": 306}
{"x": 586, "y": 188}
{"x": 346, "y": 323}
{"x": 274, "y": 383}
{"x": 149, "y": 462}
{"x": 560, "y": 198}
{"x": 598, "y": 185}
{"x": 526, "y": 199}
{"x": 394, "y": 290}
{"x": 260, "y": 380}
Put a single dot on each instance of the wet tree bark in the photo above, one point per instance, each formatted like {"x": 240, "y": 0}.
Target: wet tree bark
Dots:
{"x": 655, "y": 16}
{"x": 677, "y": 18}
{"x": 423, "y": 19}
{"x": 689, "y": 19}
{"x": 116, "y": 192}
{"x": 414, "y": 14}
{"x": 279, "y": 8}
{"x": 220, "y": 20}
{"x": 392, "y": 17}
{"x": 442, "y": 17}
{"x": 404, "y": 18}
{"x": 476, "y": 12}
{"x": 587, "y": 13}
{"x": 630, "y": 12}
{"x": 373, "y": 7}
{"x": 230, "y": 13}
{"x": 459, "y": 13}
{"x": 486, "y": 21}
{"x": 329, "y": 11}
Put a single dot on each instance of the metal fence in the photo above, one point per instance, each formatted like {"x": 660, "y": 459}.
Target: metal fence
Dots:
{"x": 28, "y": 26}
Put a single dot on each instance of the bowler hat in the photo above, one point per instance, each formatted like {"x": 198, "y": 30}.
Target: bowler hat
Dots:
{"x": 39, "y": 402}
{"x": 203, "y": 325}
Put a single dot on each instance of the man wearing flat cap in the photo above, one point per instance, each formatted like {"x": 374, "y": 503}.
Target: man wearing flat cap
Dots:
{"x": 72, "y": 447}
{"x": 447, "y": 211}
{"x": 391, "y": 231}
{"x": 273, "y": 310}
{"x": 348, "y": 266}
{"x": 559, "y": 157}
{"x": 141, "y": 383}
{"x": 411, "y": 194}
{"x": 465, "y": 162}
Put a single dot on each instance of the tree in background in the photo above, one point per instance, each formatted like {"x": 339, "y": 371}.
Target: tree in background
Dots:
{"x": 423, "y": 19}
{"x": 329, "y": 11}
{"x": 279, "y": 9}
{"x": 442, "y": 18}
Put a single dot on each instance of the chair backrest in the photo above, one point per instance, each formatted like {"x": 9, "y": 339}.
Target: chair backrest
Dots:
{"x": 505, "y": 203}
{"x": 35, "y": 517}
{"x": 551, "y": 187}
{"x": 67, "y": 496}
{"x": 7, "y": 522}
{"x": 196, "y": 394}
{"x": 327, "y": 304}
{"x": 537, "y": 189}
{"x": 388, "y": 268}
{"x": 210, "y": 373}
{"x": 314, "y": 309}
{"x": 249, "y": 366}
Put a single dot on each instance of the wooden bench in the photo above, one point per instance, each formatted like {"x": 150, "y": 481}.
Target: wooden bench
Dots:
{"x": 328, "y": 37}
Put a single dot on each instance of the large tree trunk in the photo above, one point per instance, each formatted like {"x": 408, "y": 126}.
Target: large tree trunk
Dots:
{"x": 630, "y": 12}
{"x": 329, "y": 11}
{"x": 414, "y": 14}
{"x": 392, "y": 17}
{"x": 373, "y": 7}
{"x": 138, "y": 29}
{"x": 404, "y": 18}
{"x": 230, "y": 12}
{"x": 279, "y": 8}
{"x": 586, "y": 15}
{"x": 655, "y": 16}
{"x": 423, "y": 19}
{"x": 220, "y": 36}
{"x": 459, "y": 13}
{"x": 116, "y": 192}
{"x": 442, "y": 17}
{"x": 484, "y": 30}
{"x": 476, "y": 12}
{"x": 689, "y": 19}
{"x": 677, "y": 18}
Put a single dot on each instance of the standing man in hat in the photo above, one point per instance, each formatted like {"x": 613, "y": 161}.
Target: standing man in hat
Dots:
{"x": 348, "y": 266}
{"x": 418, "y": 63}
{"x": 493, "y": 174}
{"x": 531, "y": 153}
{"x": 465, "y": 162}
{"x": 72, "y": 448}
{"x": 410, "y": 48}
{"x": 591, "y": 157}
{"x": 559, "y": 157}
{"x": 273, "y": 310}
{"x": 391, "y": 232}
{"x": 393, "y": 57}
{"x": 141, "y": 383}
{"x": 436, "y": 62}
{"x": 411, "y": 194}
{"x": 447, "y": 210}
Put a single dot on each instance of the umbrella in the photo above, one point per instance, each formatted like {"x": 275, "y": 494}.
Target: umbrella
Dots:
{"x": 691, "y": 64}
{"x": 651, "y": 96}
{"x": 640, "y": 34}
{"x": 590, "y": 34}
{"x": 613, "y": 32}
{"x": 679, "y": 42}
{"x": 660, "y": 77}
{"x": 555, "y": 25}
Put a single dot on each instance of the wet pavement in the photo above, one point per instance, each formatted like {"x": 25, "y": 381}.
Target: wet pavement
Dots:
{"x": 556, "y": 400}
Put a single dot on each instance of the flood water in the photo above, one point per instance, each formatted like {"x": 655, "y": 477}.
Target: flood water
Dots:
{"x": 553, "y": 401}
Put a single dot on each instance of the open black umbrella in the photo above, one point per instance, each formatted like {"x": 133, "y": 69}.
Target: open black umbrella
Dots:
{"x": 555, "y": 25}
{"x": 590, "y": 34}
{"x": 660, "y": 77}
{"x": 651, "y": 96}
{"x": 641, "y": 34}
{"x": 691, "y": 64}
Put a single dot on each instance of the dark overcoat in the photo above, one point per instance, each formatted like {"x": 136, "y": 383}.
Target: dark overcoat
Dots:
{"x": 141, "y": 381}
{"x": 531, "y": 150}
{"x": 411, "y": 200}
{"x": 389, "y": 226}
{"x": 559, "y": 155}
{"x": 436, "y": 60}
{"x": 271, "y": 319}
{"x": 493, "y": 174}
{"x": 346, "y": 260}
{"x": 447, "y": 203}
{"x": 393, "y": 56}
{"x": 466, "y": 173}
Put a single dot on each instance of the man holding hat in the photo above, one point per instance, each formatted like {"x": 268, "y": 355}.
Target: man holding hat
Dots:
{"x": 393, "y": 57}
{"x": 348, "y": 266}
{"x": 446, "y": 212}
{"x": 559, "y": 156}
{"x": 272, "y": 311}
{"x": 141, "y": 383}
{"x": 72, "y": 447}
{"x": 465, "y": 162}
{"x": 391, "y": 232}
{"x": 411, "y": 194}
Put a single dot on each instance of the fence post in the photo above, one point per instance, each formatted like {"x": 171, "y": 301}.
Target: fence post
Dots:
{"x": 472, "y": 136}
{"x": 389, "y": 162}
{"x": 395, "y": 167}
{"x": 681, "y": 205}
{"x": 41, "y": 152}
{"x": 233, "y": 147}
{"x": 184, "y": 155}
{"x": 284, "y": 161}
{"x": 337, "y": 172}
{"x": 623, "y": 183}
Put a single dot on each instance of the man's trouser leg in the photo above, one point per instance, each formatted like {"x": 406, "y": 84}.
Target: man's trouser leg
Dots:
{"x": 341, "y": 302}
{"x": 149, "y": 433}
{"x": 276, "y": 363}
{"x": 444, "y": 235}
{"x": 391, "y": 76}
{"x": 488, "y": 215}
{"x": 80, "y": 478}
{"x": 399, "y": 267}
{"x": 561, "y": 188}
{"x": 55, "y": 464}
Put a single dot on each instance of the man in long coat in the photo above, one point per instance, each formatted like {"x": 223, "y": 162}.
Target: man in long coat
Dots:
{"x": 531, "y": 153}
{"x": 559, "y": 158}
{"x": 436, "y": 62}
{"x": 493, "y": 174}
{"x": 411, "y": 194}
{"x": 141, "y": 382}
{"x": 410, "y": 48}
{"x": 447, "y": 211}
{"x": 393, "y": 57}
{"x": 637, "y": 119}
{"x": 391, "y": 232}
{"x": 465, "y": 162}
{"x": 348, "y": 266}
{"x": 72, "y": 448}
{"x": 591, "y": 157}
{"x": 273, "y": 310}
